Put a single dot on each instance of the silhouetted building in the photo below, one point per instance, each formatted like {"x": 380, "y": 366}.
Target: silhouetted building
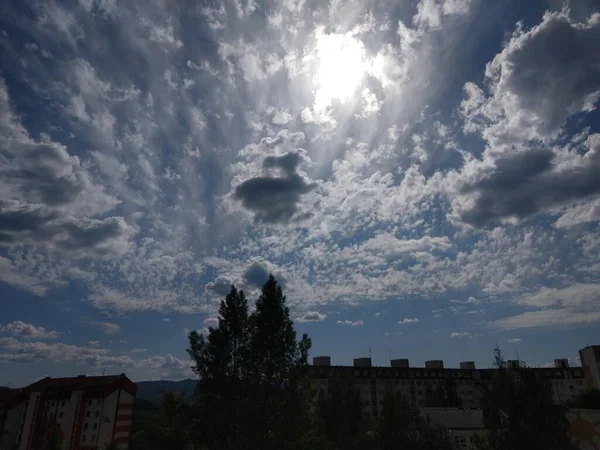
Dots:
{"x": 423, "y": 385}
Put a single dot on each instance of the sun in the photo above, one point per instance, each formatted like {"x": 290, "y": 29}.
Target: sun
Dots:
{"x": 341, "y": 66}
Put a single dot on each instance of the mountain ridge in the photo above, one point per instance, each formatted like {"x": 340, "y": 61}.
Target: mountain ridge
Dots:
{"x": 153, "y": 390}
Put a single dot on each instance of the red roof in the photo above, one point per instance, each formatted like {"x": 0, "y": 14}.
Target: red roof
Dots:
{"x": 81, "y": 382}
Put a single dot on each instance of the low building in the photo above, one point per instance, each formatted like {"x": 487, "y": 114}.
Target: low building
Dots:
{"x": 84, "y": 413}
{"x": 463, "y": 424}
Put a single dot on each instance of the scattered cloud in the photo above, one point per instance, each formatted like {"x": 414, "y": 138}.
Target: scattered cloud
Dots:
{"x": 138, "y": 350}
{"x": 311, "y": 316}
{"x": 408, "y": 321}
{"x": 107, "y": 327}
{"x": 357, "y": 323}
{"x": 211, "y": 322}
{"x": 460, "y": 334}
{"x": 27, "y": 331}
{"x": 336, "y": 158}
{"x": 514, "y": 340}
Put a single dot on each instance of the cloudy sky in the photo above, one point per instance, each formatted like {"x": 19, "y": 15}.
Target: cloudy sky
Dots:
{"x": 421, "y": 176}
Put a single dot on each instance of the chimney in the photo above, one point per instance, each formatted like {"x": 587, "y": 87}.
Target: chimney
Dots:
{"x": 362, "y": 362}
{"x": 322, "y": 361}
{"x": 434, "y": 364}
{"x": 400, "y": 363}
{"x": 467, "y": 365}
{"x": 562, "y": 363}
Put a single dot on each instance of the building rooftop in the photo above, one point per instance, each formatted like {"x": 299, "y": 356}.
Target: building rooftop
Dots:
{"x": 80, "y": 382}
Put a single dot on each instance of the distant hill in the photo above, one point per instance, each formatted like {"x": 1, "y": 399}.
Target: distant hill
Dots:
{"x": 152, "y": 390}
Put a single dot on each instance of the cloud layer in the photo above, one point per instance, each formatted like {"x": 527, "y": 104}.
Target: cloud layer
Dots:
{"x": 359, "y": 152}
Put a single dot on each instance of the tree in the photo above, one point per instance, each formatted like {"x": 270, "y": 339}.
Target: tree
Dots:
{"x": 519, "y": 412}
{"x": 221, "y": 363}
{"x": 254, "y": 386}
{"x": 589, "y": 399}
{"x": 401, "y": 426}
{"x": 340, "y": 417}
{"x": 175, "y": 427}
{"x": 279, "y": 372}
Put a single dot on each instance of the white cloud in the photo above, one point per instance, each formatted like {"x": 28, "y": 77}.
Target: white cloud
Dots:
{"x": 281, "y": 117}
{"x": 575, "y": 304}
{"x": 211, "y": 322}
{"x": 357, "y": 323}
{"x": 311, "y": 316}
{"x": 514, "y": 340}
{"x": 408, "y": 321}
{"x": 107, "y": 327}
{"x": 523, "y": 102}
{"x": 28, "y": 331}
{"x": 546, "y": 318}
{"x": 460, "y": 334}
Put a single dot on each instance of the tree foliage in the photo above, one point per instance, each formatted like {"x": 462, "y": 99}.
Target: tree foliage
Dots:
{"x": 253, "y": 375}
{"x": 519, "y": 412}
{"x": 401, "y": 426}
{"x": 340, "y": 417}
{"x": 589, "y": 399}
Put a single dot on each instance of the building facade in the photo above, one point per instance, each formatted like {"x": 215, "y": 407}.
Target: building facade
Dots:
{"x": 450, "y": 396}
{"x": 434, "y": 385}
{"x": 83, "y": 413}
{"x": 590, "y": 361}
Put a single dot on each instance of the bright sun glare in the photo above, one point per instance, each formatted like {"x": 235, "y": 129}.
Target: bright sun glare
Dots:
{"x": 342, "y": 65}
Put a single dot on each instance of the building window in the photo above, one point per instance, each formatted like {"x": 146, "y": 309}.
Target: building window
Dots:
{"x": 60, "y": 414}
{"x": 98, "y": 402}
{"x": 85, "y": 426}
{"x": 93, "y": 438}
{"x": 62, "y": 403}
{"x": 87, "y": 414}
{"x": 97, "y": 414}
{"x": 83, "y": 438}
{"x": 89, "y": 403}
{"x": 96, "y": 426}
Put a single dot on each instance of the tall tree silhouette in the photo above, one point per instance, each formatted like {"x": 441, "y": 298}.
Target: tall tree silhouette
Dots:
{"x": 221, "y": 363}
{"x": 279, "y": 370}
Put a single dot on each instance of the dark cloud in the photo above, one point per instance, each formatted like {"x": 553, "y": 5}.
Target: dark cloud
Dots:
{"x": 275, "y": 199}
{"x": 288, "y": 162}
{"x": 36, "y": 224}
{"x": 46, "y": 173}
{"x": 526, "y": 183}
{"x": 17, "y": 220}
{"x": 220, "y": 286}
{"x": 554, "y": 69}
{"x": 257, "y": 273}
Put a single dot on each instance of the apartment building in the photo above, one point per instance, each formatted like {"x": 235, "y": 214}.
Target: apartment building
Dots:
{"x": 84, "y": 413}
{"x": 450, "y": 396}
{"x": 590, "y": 361}
{"x": 422, "y": 385}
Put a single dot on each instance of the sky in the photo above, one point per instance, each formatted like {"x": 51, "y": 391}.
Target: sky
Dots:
{"x": 420, "y": 176}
